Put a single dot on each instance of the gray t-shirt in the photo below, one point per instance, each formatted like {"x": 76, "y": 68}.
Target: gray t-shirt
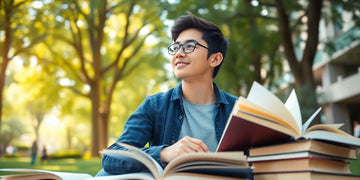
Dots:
{"x": 199, "y": 123}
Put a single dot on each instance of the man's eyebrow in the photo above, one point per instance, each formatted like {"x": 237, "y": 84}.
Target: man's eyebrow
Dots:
{"x": 189, "y": 40}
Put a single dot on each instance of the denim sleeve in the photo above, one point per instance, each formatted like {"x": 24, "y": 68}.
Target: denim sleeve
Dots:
{"x": 138, "y": 131}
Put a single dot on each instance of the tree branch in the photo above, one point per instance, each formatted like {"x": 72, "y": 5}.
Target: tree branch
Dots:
{"x": 34, "y": 42}
{"x": 286, "y": 39}
{"x": 125, "y": 43}
{"x": 312, "y": 31}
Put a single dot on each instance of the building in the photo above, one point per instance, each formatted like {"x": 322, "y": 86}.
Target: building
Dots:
{"x": 338, "y": 73}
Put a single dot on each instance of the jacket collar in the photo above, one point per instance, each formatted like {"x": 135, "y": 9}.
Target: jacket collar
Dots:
{"x": 220, "y": 95}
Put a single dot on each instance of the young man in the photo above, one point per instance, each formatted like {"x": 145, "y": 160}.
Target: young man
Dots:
{"x": 188, "y": 118}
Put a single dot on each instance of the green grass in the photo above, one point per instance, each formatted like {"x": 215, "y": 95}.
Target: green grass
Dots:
{"x": 91, "y": 166}
{"x": 355, "y": 164}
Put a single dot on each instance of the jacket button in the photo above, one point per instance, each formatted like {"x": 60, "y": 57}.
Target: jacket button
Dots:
{"x": 180, "y": 117}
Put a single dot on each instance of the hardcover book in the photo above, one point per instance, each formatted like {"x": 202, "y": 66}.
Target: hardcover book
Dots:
{"x": 312, "y": 146}
{"x": 263, "y": 119}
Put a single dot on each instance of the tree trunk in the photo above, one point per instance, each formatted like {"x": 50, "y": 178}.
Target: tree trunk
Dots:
{"x": 5, "y": 60}
{"x": 95, "y": 121}
{"x": 2, "y": 83}
{"x": 314, "y": 14}
{"x": 303, "y": 74}
{"x": 68, "y": 137}
{"x": 103, "y": 130}
{"x": 285, "y": 33}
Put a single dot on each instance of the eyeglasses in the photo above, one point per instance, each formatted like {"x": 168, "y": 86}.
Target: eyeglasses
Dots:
{"x": 187, "y": 47}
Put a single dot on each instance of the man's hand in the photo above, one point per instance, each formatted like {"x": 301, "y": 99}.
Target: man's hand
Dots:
{"x": 185, "y": 145}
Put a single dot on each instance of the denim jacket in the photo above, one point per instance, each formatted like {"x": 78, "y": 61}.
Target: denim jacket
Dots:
{"x": 158, "y": 121}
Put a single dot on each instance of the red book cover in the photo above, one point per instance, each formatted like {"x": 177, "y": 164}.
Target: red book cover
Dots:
{"x": 241, "y": 134}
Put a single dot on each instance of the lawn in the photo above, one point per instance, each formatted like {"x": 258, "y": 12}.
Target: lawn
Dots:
{"x": 355, "y": 164}
{"x": 91, "y": 166}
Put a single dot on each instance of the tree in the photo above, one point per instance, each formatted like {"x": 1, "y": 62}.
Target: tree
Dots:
{"x": 301, "y": 68}
{"x": 19, "y": 31}
{"x": 308, "y": 15}
{"x": 37, "y": 93}
{"x": 102, "y": 43}
{"x": 12, "y": 129}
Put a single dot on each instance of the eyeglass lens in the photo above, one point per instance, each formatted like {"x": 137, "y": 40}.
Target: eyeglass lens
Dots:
{"x": 188, "y": 47}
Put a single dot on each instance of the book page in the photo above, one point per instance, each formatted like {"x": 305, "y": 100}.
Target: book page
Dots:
{"x": 345, "y": 139}
{"x": 45, "y": 174}
{"x": 267, "y": 100}
{"x": 155, "y": 169}
{"x": 331, "y": 132}
{"x": 71, "y": 176}
{"x": 197, "y": 176}
{"x": 292, "y": 104}
{"x": 214, "y": 158}
{"x": 308, "y": 122}
{"x": 216, "y": 163}
{"x": 147, "y": 156}
{"x": 250, "y": 108}
{"x": 130, "y": 176}
{"x": 334, "y": 128}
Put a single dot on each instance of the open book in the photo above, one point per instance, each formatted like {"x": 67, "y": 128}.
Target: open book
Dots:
{"x": 263, "y": 119}
{"x": 38, "y": 174}
{"x": 211, "y": 165}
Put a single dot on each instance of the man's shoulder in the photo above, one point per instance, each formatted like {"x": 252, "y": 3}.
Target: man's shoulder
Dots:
{"x": 227, "y": 98}
{"x": 162, "y": 95}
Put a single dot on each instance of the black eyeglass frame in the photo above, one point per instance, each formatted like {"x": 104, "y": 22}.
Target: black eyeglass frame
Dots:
{"x": 183, "y": 47}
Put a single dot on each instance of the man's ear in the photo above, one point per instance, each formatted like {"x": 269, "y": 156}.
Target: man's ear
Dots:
{"x": 216, "y": 59}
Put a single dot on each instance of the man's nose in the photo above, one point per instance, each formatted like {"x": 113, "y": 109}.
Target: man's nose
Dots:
{"x": 181, "y": 51}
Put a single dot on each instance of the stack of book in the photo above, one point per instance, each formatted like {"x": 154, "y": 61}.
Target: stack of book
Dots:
{"x": 263, "y": 119}
{"x": 307, "y": 159}
{"x": 280, "y": 146}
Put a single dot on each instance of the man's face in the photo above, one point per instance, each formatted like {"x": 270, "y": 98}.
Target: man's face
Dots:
{"x": 194, "y": 65}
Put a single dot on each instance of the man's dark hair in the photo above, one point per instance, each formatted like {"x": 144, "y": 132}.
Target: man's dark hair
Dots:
{"x": 211, "y": 34}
